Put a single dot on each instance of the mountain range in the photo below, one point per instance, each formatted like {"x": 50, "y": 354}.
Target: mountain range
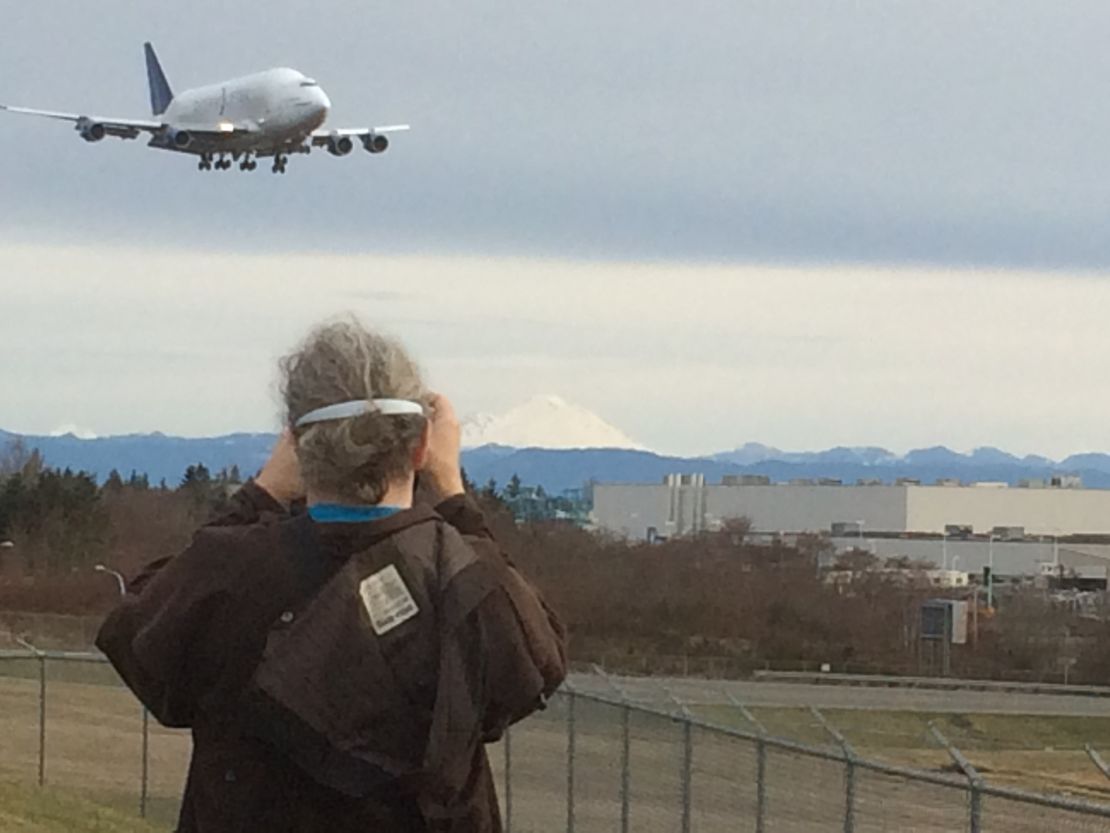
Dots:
{"x": 550, "y": 442}
{"x": 935, "y": 456}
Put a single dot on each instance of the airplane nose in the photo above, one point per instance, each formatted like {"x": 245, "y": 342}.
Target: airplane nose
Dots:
{"x": 322, "y": 100}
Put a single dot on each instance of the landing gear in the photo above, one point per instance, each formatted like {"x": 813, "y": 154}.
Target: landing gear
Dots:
{"x": 206, "y": 163}
{"x": 280, "y": 161}
{"x": 247, "y": 162}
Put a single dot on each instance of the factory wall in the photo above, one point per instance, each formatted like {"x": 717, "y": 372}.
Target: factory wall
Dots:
{"x": 685, "y": 505}
{"x": 685, "y": 508}
{"x": 809, "y": 508}
{"x": 1040, "y": 511}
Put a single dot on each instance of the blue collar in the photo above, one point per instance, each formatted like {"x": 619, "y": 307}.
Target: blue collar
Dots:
{"x": 339, "y": 513}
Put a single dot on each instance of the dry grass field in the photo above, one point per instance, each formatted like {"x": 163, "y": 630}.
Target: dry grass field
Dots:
{"x": 93, "y": 744}
{"x": 1042, "y": 753}
{"x": 93, "y": 751}
{"x": 26, "y": 809}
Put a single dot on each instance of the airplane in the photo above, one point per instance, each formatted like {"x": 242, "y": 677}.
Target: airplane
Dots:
{"x": 274, "y": 113}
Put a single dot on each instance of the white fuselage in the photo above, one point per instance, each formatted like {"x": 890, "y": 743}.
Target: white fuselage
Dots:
{"x": 265, "y": 112}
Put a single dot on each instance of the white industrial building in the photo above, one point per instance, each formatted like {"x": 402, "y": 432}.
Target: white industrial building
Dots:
{"x": 686, "y": 504}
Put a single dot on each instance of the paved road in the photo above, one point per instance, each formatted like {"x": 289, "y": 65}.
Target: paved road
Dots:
{"x": 654, "y": 690}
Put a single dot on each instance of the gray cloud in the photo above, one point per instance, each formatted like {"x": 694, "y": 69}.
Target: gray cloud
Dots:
{"x": 788, "y": 130}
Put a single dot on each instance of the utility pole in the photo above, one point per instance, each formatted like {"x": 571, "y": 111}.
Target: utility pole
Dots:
{"x": 990, "y": 572}
{"x": 975, "y": 618}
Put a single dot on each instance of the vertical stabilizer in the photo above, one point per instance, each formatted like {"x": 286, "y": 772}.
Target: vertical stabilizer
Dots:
{"x": 160, "y": 93}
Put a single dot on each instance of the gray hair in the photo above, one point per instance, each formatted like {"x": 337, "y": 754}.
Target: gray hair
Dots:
{"x": 352, "y": 459}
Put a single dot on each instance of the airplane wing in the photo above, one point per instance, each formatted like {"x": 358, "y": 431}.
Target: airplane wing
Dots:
{"x": 124, "y": 128}
{"x": 95, "y": 128}
{"x": 321, "y": 136}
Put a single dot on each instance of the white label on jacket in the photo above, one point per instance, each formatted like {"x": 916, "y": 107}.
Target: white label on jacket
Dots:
{"x": 387, "y": 600}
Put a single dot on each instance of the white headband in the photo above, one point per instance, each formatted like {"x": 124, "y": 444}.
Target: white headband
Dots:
{"x": 358, "y": 407}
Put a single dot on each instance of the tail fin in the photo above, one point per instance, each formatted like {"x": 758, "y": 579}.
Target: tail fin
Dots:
{"x": 160, "y": 93}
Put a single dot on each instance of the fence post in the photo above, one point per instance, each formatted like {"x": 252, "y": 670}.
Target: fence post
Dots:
{"x": 974, "y": 779}
{"x": 687, "y": 754}
{"x": 687, "y": 772}
{"x": 626, "y": 766}
{"x": 41, "y": 657}
{"x": 760, "y": 785}
{"x": 570, "y": 758}
{"x": 626, "y": 747}
{"x": 849, "y": 770}
{"x": 42, "y": 719}
{"x": 760, "y": 761}
{"x": 145, "y": 783}
{"x": 508, "y": 780}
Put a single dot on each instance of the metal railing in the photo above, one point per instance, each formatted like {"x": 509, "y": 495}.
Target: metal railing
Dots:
{"x": 591, "y": 761}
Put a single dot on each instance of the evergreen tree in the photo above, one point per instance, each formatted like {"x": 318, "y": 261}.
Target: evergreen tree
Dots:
{"x": 114, "y": 483}
{"x": 197, "y": 485}
{"x": 197, "y": 475}
{"x": 513, "y": 489}
{"x": 58, "y": 516}
{"x": 138, "y": 481}
{"x": 229, "y": 476}
{"x": 11, "y": 498}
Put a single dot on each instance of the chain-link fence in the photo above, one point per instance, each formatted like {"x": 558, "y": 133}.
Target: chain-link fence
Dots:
{"x": 589, "y": 762}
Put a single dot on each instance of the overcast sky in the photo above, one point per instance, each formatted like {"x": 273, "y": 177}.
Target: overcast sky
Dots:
{"x": 800, "y": 222}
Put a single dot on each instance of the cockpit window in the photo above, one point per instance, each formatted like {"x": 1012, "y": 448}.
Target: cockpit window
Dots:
{"x": 308, "y": 82}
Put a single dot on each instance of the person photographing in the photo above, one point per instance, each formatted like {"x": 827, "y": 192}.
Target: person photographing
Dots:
{"x": 342, "y": 665}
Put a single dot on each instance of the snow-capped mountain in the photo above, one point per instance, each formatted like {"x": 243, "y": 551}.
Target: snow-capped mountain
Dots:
{"x": 545, "y": 422}
{"x": 71, "y": 430}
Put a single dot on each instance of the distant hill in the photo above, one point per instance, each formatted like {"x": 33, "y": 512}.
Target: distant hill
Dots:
{"x": 561, "y": 469}
{"x": 164, "y": 457}
{"x": 157, "y": 455}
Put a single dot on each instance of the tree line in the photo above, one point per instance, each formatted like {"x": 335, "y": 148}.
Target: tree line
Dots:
{"x": 61, "y": 522}
{"x": 629, "y": 605}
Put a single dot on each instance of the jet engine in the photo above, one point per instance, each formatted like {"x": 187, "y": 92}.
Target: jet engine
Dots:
{"x": 91, "y": 131}
{"x": 340, "y": 145}
{"x": 180, "y": 139}
{"x": 375, "y": 143}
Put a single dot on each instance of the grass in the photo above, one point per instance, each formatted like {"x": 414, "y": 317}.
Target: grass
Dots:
{"x": 32, "y": 810}
{"x": 93, "y": 745}
{"x": 93, "y": 748}
{"x": 1035, "y": 752}
{"x": 879, "y": 730}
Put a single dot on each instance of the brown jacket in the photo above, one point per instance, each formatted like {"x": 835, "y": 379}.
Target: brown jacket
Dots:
{"x": 338, "y": 677}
